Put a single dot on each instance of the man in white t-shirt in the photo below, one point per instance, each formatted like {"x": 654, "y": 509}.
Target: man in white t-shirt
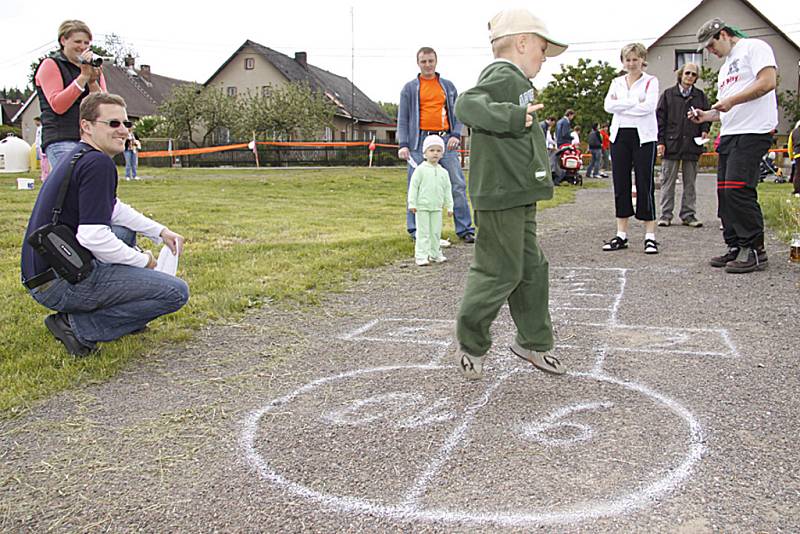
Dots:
{"x": 748, "y": 110}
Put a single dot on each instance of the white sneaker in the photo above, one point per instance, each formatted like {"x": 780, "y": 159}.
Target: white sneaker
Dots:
{"x": 444, "y": 243}
{"x": 440, "y": 259}
{"x": 127, "y": 179}
{"x": 471, "y": 366}
{"x": 423, "y": 263}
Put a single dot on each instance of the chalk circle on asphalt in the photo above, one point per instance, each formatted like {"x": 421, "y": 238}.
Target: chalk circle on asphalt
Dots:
{"x": 410, "y": 442}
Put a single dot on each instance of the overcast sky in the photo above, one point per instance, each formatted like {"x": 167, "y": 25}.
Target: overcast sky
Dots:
{"x": 191, "y": 40}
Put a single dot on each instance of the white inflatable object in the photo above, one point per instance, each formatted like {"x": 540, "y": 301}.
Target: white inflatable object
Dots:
{"x": 14, "y": 155}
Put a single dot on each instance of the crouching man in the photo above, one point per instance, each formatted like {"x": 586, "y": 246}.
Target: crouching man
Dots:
{"x": 123, "y": 292}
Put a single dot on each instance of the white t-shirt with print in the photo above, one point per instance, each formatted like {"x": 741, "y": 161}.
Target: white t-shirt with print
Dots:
{"x": 747, "y": 58}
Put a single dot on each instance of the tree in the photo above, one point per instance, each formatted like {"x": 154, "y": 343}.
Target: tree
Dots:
{"x": 149, "y": 126}
{"x": 118, "y": 48}
{"x": 15, "y": 93}
{"x": 390, "y": 108}
{"x": 790, "y": 102}
{"x": 708, "y": 80}
{"x": 180, "y": 111}
{"x": 191, "y": 112}
{"x": 581, "y": 87}
{"x": 290, "y": 109}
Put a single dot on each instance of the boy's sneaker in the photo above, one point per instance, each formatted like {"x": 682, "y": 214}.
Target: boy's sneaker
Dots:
{"x": 747, "y": 261}
{"x": 541, "y": 360}
{"x": 722, "y": 261}
{"x": 444, "y": 243}
{"x": 471, "y": 366}
{"x": 691, "y": 221}
{"x": 440, "y": 259}
{"x": 422, "y": 263}
{"x": 664, "y": 222}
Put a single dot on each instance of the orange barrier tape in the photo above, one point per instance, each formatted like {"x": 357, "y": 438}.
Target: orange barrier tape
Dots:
{"x": 320, "y": 144}
{"x": 189, "y": 151}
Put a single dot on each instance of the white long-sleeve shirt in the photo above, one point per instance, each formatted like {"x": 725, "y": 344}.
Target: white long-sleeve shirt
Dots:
{"x": 108, "y": 248}
{"x": 634, "y": 107}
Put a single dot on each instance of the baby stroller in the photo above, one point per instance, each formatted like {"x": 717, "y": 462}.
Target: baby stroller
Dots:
{"x": 768, "y": 169}
{"x": 569, "y": 161}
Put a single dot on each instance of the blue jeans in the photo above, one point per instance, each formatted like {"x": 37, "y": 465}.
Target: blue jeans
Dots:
{"x": 131, "y": 162}
{"x": 594, "y": 166}
{"x": 55, "y": 151}
{"x": 461, "y": 212}
{"x": 114, "y": 300}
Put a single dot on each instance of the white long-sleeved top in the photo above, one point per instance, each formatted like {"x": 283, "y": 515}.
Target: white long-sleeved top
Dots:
{"x": 634, "y": 107}
{"x": 108, "y": 248}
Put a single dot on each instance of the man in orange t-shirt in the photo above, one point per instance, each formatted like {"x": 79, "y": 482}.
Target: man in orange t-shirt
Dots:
{"x": 427, "y": 107}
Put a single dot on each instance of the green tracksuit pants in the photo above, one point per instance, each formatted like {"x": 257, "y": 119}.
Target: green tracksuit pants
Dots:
{"x": 508, "y": 265}
{"x": 429, "y": 232}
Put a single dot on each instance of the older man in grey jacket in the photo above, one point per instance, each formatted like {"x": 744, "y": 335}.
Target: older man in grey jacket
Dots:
{"x": 677, "y": 145}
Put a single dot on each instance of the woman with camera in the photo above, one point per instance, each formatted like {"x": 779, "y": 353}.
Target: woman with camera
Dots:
{"x": 62, "y": 82}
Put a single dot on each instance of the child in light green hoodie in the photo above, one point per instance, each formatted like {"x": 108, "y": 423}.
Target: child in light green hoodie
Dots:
{"x": 429, "y": 192}
{"x": 509, "y": 173}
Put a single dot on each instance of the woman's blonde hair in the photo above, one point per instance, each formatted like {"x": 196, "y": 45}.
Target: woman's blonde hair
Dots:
{"x": 636, "y": 48}
{"x": 68, "y": 27}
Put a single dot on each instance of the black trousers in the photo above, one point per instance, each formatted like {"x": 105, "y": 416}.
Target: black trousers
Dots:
{"x": 737, "y": 180}
{"x": 628, "y": 155}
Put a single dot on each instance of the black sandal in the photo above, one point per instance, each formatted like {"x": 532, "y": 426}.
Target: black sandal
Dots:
{"x": 650, "y": 246}
{"x": 615, "y": 244}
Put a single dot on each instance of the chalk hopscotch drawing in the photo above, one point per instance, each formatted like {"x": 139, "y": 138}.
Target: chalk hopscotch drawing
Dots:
{"x": 434, "y": 425}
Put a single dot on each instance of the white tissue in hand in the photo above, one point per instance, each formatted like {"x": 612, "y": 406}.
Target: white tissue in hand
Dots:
{"x": 702, "y": 140}
{"x": 167, "y": 261}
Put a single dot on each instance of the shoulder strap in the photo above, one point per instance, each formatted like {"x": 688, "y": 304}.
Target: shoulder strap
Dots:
{"x": 62, "y": 191}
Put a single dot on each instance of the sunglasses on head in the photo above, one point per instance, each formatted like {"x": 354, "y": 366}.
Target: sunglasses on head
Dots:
{"x": 114, "y": 123}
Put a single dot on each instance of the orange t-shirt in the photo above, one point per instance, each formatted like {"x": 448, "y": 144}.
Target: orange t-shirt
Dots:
{"x": 432, "y": 107}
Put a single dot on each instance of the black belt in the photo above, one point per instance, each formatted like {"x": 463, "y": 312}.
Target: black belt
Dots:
{"x": 440, "y": 133}
{"x": 40, "y": 279}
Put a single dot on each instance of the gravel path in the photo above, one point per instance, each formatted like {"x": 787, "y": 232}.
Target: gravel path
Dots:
{"x": 679, "y": 412}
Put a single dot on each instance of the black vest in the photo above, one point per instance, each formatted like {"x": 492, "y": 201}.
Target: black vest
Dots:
{"x": 64, "y": 127}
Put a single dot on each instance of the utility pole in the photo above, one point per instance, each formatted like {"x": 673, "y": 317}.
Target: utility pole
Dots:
{"x": 352, "y": 74}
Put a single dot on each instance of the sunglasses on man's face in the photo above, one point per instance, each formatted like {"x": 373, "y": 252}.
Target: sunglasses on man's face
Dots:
{"x": 690, "y": 73}
{"x": 114, "y": 123}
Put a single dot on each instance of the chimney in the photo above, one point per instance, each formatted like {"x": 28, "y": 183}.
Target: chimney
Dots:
{"x": 130, "y": 61}
{"x": 144, "y": 72}
{"x": 302, "y": 59}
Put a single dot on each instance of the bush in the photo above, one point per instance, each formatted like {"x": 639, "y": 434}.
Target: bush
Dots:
{"x": 6, "y": 129}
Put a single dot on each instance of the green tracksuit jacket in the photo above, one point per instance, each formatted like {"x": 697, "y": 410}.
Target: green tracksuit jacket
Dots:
{"x": 509, "y": 164}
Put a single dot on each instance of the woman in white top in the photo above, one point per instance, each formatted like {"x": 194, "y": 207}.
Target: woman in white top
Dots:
{"x": 632, "y": 99}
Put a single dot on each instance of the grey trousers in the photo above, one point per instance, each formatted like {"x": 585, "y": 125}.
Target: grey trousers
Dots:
{"x": 669, "y": 175}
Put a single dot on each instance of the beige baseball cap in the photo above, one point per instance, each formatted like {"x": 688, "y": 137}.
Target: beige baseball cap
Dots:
{"x": 516, "y": 21}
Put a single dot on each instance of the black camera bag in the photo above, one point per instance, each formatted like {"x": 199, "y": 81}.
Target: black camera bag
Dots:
{"x": 57, "y": 244}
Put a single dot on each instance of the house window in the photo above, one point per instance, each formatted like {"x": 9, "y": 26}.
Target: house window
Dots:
{"x": 249, "y": 63}
{"x": 265, "y": 90}
{"x": 683, "y": 57}
{"x": 328, "y": 134}
{"x": 231, "y": 91}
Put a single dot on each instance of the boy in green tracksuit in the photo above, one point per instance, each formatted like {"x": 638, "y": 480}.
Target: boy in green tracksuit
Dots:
{"x": 428, "y": 192}
{"x": 509, "y": 173}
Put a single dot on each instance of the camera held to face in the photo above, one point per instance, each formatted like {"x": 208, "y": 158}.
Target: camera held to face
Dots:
{"x": 94, "y": 62}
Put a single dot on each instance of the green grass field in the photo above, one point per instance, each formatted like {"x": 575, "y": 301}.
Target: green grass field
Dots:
{"x": 253, "y": 236}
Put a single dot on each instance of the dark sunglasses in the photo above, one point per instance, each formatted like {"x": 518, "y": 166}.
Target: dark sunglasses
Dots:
{"x": 114, "y": 123}
{"x": 690, "y": 73}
